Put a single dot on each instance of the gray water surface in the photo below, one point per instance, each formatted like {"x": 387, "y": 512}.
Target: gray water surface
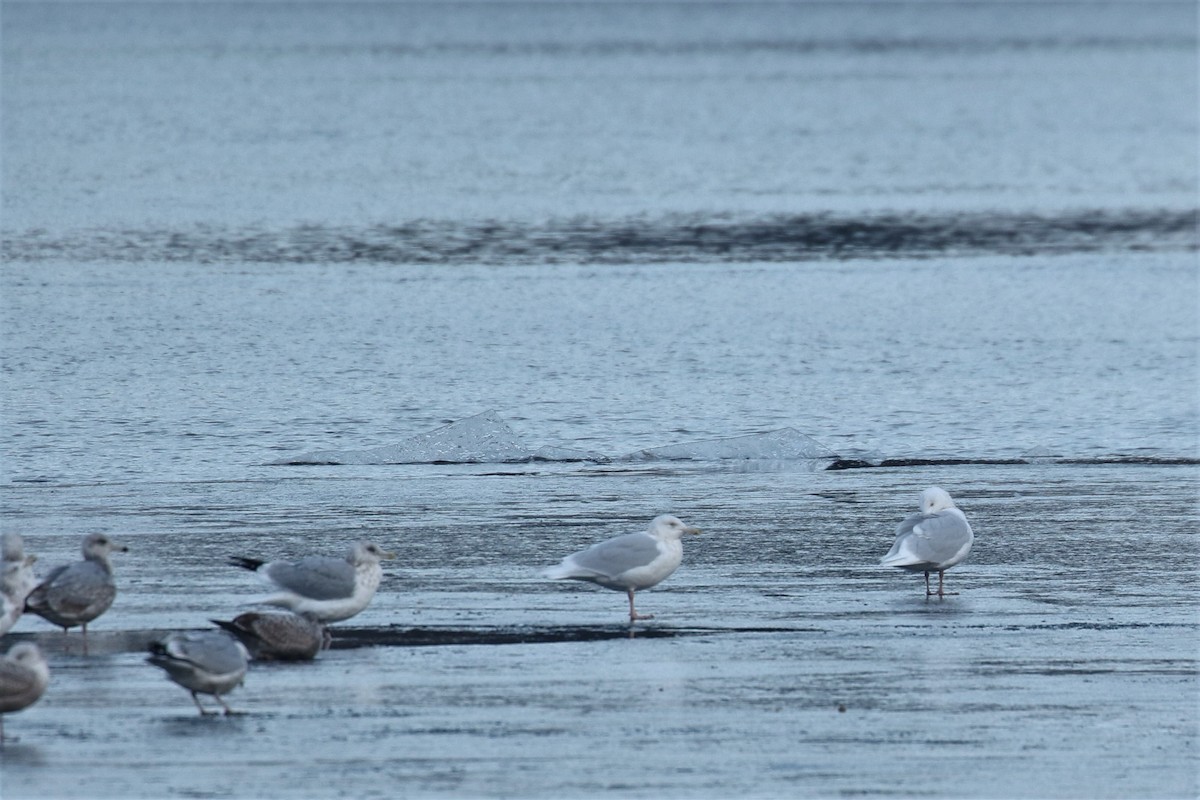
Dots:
{"x": 489, "y": 282}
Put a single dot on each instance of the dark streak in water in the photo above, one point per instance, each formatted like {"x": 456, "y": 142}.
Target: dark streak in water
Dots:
{"x": 675, "y": 238}
{"x": 619, "y": 48}
{"x": 843, "y": 464}
{"x": 136, "y": 641}
{"x": 349, "y": 638}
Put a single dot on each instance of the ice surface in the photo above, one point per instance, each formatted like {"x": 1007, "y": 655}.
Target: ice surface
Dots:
{"x": 485, "y": 438}
{"x": 481, "y": 439}
{"x": 784, "y": 444}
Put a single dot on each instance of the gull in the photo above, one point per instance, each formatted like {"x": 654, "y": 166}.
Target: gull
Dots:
{"x": 24, "y": 676}
{"x": 16, "y": 579}
{"x": 203, "y": 662}
{"x": 630, "y": 562}
{"x": 285, "y": 636}
{"x": 932, "y": 540}
{"x": 77, "y": 593}
{"x": 325, "y": 588}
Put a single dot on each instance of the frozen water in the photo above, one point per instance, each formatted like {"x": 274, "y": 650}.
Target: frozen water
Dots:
{"x": 485, "y": 438}
{"x": 785, "y": 444}
{"x": 481, "y": 439}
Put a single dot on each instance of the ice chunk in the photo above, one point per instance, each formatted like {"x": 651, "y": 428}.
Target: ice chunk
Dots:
{"x": 784, "y": 444}
{"x": 483, "y": 438}
{"x": 553, "y": 453}
{"x": 1041, "y": 454}
{"x": 487, "y": 439}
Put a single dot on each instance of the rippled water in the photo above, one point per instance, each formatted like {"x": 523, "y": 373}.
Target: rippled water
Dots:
{"x": 191, "y": 371}
{"x": 487, "y": 282}
{"x": 255, "y": 118}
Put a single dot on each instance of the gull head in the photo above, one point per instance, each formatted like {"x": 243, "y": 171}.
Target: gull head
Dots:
{"x": 97, "y": 546}
{"x": 369, "y": 553}
{"x": 667, "y": 527}
{"x": 29, "y": 656}
{"x": 12, "y": 546}
{"x": 934, "y": 500}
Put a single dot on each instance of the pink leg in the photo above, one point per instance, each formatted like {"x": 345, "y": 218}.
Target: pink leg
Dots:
{"x": 224, "y": 705}
{"x": 203, "y": 712}
{"x": 634, "y": 616}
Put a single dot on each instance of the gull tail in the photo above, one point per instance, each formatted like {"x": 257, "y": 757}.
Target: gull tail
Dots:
{"x": 251, "y": 564}
{"x": 899, "y": 558}
{"x": 226, "y": 625}
{"x": 560, "y": 571}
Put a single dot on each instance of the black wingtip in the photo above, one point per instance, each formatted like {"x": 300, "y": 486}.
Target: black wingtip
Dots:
{"x": 251, "y": 564}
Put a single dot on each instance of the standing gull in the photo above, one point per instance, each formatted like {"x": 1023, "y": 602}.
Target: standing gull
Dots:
{"x": 281, "y": 635}
{"x": 630, "y": 562}
{"x": 75, "y": 594}
{"x": 12, "y": 595}
{"x": 325, "y": 588}
{"x": 932, "y": 540}
{"x": 16, "y": 579}
{"x": 203, "y": 662}
{"x": 24, "y": 676}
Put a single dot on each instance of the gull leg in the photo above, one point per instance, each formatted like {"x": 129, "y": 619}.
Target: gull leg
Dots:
{"x": 928, "y": 593}
{"x": 2, "y": 737}
{"x": 634, "y": 616}
{"x": 203, "y": 712}
{"x": 85, "y": 652}
{"x": 228, "y": 711}
{"x": 941, "y": 591}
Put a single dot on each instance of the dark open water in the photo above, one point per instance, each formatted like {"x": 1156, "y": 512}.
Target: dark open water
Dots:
{"x": 637, "y": 258}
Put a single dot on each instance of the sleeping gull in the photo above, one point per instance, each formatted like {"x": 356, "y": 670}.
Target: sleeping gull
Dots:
{"x": 203, "y": 662}
{"x": 77, "y": 593}
{"x": 16, "y": 579}
{"x": 932, "y": 540}
{"x": 630, "y": 562}
{"x": 281, "y": 635}
{"x": 24, "y": 676}
{"x": 325, "y": 588}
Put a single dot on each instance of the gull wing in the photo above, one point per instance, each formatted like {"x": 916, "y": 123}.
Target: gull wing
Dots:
{"x": 315, "y": 577}
{"x": 613, "y": 557}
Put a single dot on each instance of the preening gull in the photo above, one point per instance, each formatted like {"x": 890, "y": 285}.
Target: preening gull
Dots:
{"x": 75, "y": 594}
{"x": 281, "y": 635}
{"x": 630, "y": 562}
{"x": 24, "y": 676}
{"x": 325, "y": 588}
{"x": 17, "y": 579}
{"x": 203, "y": 662}
{"x": 932, "y": 540}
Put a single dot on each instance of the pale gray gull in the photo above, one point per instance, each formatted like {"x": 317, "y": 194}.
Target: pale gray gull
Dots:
{"x": 17, "y": 579}
{"x": 24, "y": 676}
{"x": 278, "y": 635}
{"x": 203, "y": 662}
{"x": 325, "y": 588}
{"x": 75, "y": 594}
{"x": 932, "y": 540}
{"x": 630, "y": 562}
